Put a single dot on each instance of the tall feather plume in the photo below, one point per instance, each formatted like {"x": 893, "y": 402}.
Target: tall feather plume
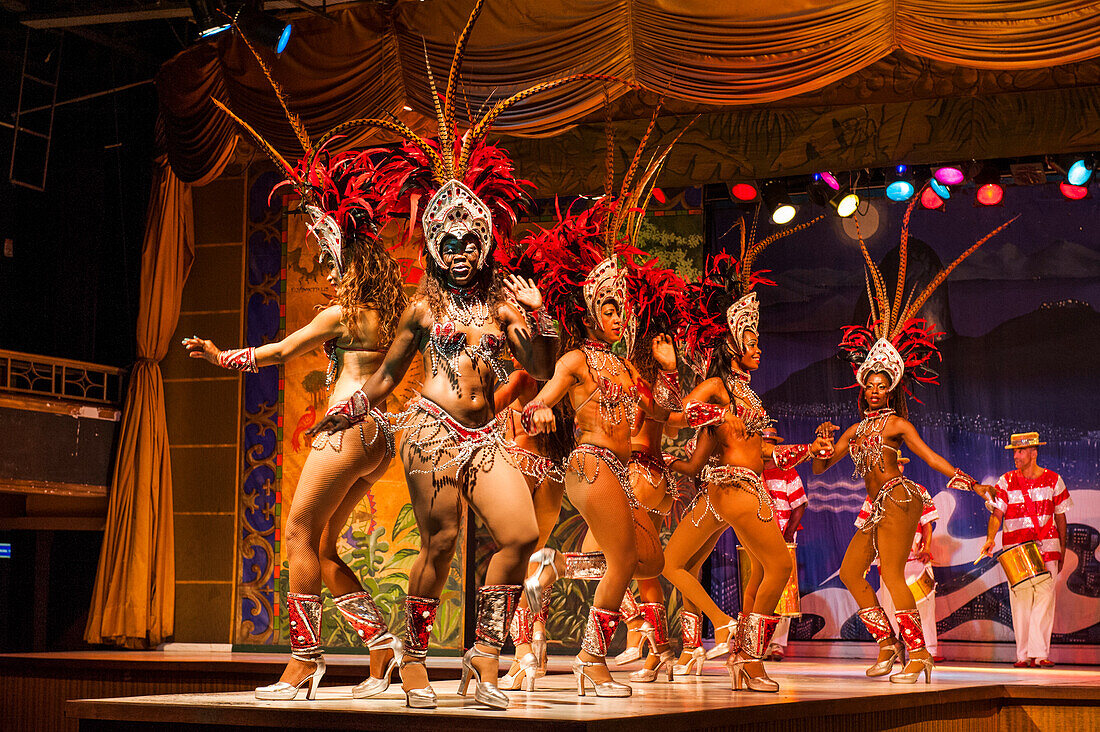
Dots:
{"x": 903, "y": 257}
{"x": 295, "y": 121}
{"x": 473, "y": 137}
{"x": 753, "y": 249}
{"x": 915, "y": 306}
{"x": 609, "y": 154}
{"x": 446, "y": 144}
{"x": 269, "y": 150}
{"x": 879, "y": 292}
{"x": 448, "y": 122}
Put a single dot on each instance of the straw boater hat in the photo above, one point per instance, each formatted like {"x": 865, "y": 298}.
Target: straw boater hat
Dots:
{"x": 771, "y": 434}
{"x": 1023, "y": 439}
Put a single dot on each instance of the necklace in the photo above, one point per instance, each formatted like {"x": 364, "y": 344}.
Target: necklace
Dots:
{"x": 866, "y": 447}
{"x": 600, "y": 358}
{"x": 467, "y": 307}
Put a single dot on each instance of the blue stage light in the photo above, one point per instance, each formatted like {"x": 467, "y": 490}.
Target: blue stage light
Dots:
{"x": 941, "y": 190}
{"x": 1080, "y": 172}
{"x": 900, "y": 190}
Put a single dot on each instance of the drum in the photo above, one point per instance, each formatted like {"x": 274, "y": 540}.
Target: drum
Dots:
{"x": 789, "y": 605}
{"x": 923, "y": 585}
{"x": 1023, "y": 563}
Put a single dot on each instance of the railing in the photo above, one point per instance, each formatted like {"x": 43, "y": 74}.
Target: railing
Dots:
{"x": 24, "y": 373}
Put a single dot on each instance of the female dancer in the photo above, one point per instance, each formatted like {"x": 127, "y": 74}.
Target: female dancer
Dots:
{"x": 730, "y": 455}
{"x": 893, "y": 350}
{"x": 659, "y": 294}
{"x": 337, "y": 473}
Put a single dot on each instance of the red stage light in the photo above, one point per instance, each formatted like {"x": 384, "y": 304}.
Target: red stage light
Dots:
{"x": 990, "y": 194}
{"x": 930, "y": 199}
{"x": 744, "y": 191}
{"x": 1072, "y": 192}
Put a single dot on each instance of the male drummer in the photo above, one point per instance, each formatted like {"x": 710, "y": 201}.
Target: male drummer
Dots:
{"x": 919, "y": 562}
{"x": 789, "y": 496}
{"x": 1031, "y": 503}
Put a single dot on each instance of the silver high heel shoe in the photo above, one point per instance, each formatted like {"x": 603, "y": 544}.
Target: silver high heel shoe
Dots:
{"x": 524, "y": 678}
{"x": 485, "y": 692}
{"x": 282, "y": 691}
{"x": 418, "y": 698}
{"x": 911, "y": 677}
{"x": 538, "y": 648}
{"x": 738, "y": 674}
{"x": 886, "y": 665}
{"x": 721, "y": 649}
{"x": 532, "y": 586}
{"x": 372, "y": 686}
{"x": 634, "y": 652}
{"x": 698, "y": 658}
{"x": 646, "y": 675}
{"x": 603, "y": 689}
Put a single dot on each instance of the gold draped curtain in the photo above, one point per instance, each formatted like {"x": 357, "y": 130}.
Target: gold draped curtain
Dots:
{"x": 133, "y": 603}
{"x": 699, "y": 55}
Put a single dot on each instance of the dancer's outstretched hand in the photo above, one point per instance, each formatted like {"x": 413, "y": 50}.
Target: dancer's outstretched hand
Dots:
{"x": 525, "y": 291}
{"x": 664, "y": 352}
{"x": 201, "y": 348}
{"x": 987, "y": 492}
{"x": 330, "y": 423}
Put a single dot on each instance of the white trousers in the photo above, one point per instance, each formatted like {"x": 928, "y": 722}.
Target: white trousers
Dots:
{"x": 781, "y": 630}
{"x": 1033, "y": 615}
{"x": 926, "y": 608}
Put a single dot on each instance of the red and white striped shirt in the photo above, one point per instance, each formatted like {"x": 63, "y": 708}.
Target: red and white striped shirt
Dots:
{"x": 928, "y": 515}
{"x": 1048, "y": 494}
{"x": 785, "y": 487}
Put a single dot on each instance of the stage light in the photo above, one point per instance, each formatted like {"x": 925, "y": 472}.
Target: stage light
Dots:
{"x": 930, "y": 199}
{"x": 1072, "y": 192}
{"x": 208, "y": 17}
{"x": 845, "y": 204}
{"x": 899, "y": 186}
{"x": 1081, "y": 170}
{"x": 828, "y": 179}
{"x": 778, "y": 203}
{"x": 949, "y": 175}
{"x": 940, "y": 189}
{"x": 988, "y": 180}
{"x": 744, "y": 192}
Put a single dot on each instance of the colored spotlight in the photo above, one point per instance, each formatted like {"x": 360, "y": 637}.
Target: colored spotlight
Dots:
{"x": 941, "y": 190}
{"x": 846, "y": 205}
{"x": 930, "y": 199}
{"x": 949, "y": 175}
{"x": 900, "y": 190}
{"x": 778, "y": 203}
{"x": 1072, "y": 192}
{"x": 990, "y": 194}
{"x": 744, "y": 192}
{"x": 829, "y": 179}
{"x": 1080, "y": 171}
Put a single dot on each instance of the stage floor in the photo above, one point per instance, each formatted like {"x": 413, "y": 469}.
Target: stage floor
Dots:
{"x": 820, "y": 694}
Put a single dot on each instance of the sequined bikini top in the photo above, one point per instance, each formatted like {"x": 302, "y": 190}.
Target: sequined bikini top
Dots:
{"x": 866, "y": 445}
{"x": 747, "y": 404}
{"x": 449, "y": 343}
{"x": 617, "y": 402}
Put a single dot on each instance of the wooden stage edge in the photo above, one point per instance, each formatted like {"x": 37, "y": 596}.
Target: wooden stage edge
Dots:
{"x": 827, "y": 695}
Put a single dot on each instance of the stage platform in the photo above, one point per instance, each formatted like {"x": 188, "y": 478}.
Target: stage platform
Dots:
{"x": 814, "y": 695}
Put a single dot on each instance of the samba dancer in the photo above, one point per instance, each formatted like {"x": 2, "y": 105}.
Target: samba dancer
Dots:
{"x": 893, "y": 350}
{"x": 461, "y": 320}
{"x": 356, "y": 329}
{"x": 729, "y": 454}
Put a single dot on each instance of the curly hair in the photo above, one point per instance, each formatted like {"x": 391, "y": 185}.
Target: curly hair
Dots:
{"x": 372, "y": 281}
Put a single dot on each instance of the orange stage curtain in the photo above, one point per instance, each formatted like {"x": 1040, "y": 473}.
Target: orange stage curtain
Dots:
{"x": 134, "y": 600}
{"x": 699, "y": 55}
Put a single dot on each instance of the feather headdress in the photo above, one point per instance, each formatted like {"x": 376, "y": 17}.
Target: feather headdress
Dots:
{"x": 723, "y": 302}
{"x": 894, "y": 341}
{"x": 578, "y": 258}
{"x": 470, "y": 186}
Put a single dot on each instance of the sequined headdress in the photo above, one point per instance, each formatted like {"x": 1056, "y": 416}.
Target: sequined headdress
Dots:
{"x": 723, "y": 300}
{"x": 895, "y": 342}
